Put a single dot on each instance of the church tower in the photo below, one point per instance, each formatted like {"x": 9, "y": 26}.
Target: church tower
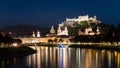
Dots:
{"x": 66, "y": 31}
{"x": 52, "y": 30}
{"x": 38, "y": 34}
{"x": 33, "y": 34}
{"x": 59, "y": 30}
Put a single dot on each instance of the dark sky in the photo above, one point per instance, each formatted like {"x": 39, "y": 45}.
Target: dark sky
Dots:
{"x": 52, "y": 12}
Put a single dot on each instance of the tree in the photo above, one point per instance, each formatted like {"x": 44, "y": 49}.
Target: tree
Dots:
{"x": 84, "y": 24}
{"x": 117, "y": 33}
{"x": 1, "y": 38}
{"x": 8, "y": 40}
{"x": 55, "y": 40}
{"x": 17, "y": 41}
{"x": 50, "y": 41}
{"x": 61, "y": 40}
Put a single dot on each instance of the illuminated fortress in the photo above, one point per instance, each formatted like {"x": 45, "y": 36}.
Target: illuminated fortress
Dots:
{"x": 70, "y": 21}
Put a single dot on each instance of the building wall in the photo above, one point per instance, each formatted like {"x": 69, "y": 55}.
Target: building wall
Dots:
{"x": 82, "y": 18}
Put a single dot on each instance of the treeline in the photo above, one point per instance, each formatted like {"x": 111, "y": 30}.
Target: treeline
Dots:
{"x": 108, "y": 33}
{"x": 6, "y": 39}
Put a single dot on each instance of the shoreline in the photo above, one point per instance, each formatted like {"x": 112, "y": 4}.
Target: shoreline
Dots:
{"x": 100, "y": 47}
{"x": 9, "y": 52}
{"x": 88, "y": 46}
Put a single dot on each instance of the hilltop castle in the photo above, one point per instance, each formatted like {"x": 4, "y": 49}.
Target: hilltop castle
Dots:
{"x": 71, "y": 21}
{"x": 89, "y": 20}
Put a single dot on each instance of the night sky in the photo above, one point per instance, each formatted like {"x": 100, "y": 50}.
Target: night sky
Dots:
{"x": 51, "y": 12}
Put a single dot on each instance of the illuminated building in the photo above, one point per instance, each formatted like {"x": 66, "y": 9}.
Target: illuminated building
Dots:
{"x": 80, "y": 19}
{"x": 89, "y": 31}
{"x": 52, "y": 30}
{"x": 38, "y": 34}
{"x": 62, "y": 32}
{"x": 33, "y": 34}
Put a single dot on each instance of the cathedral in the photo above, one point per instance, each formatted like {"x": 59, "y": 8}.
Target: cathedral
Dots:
{"x": 60, "y": 31}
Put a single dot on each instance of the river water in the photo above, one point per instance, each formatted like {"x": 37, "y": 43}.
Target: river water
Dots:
{"x": 54, "y": 57}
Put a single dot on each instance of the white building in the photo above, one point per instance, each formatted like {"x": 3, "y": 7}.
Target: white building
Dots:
{"x": 62, "y": 32}
{"x": 70, "y": 21}
{"x": 89, "y": 31}
{"x": 83, "y": 18}
{"x": 33, "y": 34}
{"x": 52, "y": 30}
{"x": 36, "y": 35}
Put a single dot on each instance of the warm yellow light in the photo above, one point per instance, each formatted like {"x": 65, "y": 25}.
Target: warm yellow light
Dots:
{"x": 15, "y": 44}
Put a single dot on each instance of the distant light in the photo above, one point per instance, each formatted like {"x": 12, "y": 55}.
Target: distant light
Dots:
{"x": 15, "y": 44}
{"x": 61, "y": 46}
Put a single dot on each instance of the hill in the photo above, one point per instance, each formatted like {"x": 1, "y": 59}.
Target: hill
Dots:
{"x": 24, "y": 30}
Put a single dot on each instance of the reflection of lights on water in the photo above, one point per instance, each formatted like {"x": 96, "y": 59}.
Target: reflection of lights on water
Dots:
{"x": 38, "y": 58}
{"x": 103, "y": 50}
{"x": 96, "y": 55}
{"x": 61, "y": 58}
{"x": 69, "y": 58}
{"x": 65, "y": 58}
{"x": 115, "y": 53}
{"x": 78, "y": 57}
{"x": 110, "y": 57}
{"x": 118, "y": 60}
{"x": 29, "y": 62}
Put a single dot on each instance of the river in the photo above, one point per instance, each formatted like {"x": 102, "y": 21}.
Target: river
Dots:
{"x": 54, "y": 57}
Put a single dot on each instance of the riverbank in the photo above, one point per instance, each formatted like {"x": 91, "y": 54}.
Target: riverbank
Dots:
{"x": 48, "y": 45}
{"x": 101, "y": 47}
{"x": 8, "y": 52}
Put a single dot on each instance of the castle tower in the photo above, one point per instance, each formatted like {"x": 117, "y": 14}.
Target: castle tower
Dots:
{"x": 59, "y": 30}
{"x": 52, "y": 30}
{"x": 33, "y": 34}
{"x": 66, "y": 31}
{"x": 38, "y": 34}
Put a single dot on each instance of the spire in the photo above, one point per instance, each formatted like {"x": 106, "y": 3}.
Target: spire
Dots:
{"x": 52, "y": 30}
{"x": 38, "y": 34}
{"x": 33, "y": 34}
{"x": 66, "y": 31}
{"x": 59, "y": 30}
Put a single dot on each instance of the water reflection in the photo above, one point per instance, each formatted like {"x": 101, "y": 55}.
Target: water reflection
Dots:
{"x": 54, "y": 57}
